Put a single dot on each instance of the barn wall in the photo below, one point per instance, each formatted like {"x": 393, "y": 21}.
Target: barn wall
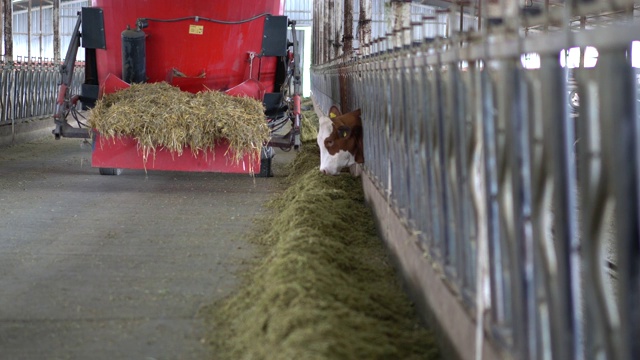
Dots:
{"x": 42, "y": 30}
{"x": 494, "y": 187}
{"x": 29, "y": 78}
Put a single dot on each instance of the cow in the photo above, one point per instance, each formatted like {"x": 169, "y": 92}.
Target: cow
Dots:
{"x": 340, "y": 141}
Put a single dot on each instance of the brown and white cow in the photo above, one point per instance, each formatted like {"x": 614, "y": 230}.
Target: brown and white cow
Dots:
{"x": 340, "y": 141}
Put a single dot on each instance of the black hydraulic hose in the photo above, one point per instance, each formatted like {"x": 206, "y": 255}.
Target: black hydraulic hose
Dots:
{"x": 198, "y": 18}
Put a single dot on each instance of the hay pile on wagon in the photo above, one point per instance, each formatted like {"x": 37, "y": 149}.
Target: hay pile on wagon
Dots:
{"x": 159, "y": 115}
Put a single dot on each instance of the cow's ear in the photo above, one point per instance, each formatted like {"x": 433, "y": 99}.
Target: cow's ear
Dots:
{"x": 344, "y": 132}
{"x": 334, "y": 112}
{"x": 357, "y": 112}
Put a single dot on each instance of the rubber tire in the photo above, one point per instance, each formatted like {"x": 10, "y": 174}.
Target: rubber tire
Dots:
{"x": 265, "y": 168}
{"x": 110, "y": 171}
{"x": 574, "y": 106}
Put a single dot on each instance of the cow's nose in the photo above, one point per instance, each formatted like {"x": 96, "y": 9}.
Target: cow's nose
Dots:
{"x": 323, "y": 171}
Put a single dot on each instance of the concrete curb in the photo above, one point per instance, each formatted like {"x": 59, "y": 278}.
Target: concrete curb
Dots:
{"x": 25, "y": 131}
{"x": 440, "y": 306}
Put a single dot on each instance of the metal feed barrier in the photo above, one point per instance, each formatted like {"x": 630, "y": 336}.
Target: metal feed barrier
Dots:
{"x": 28, "y": 89}
{"x": 481, "y": 156}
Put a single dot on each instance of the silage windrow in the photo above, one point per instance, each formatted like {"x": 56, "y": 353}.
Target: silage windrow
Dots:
{"x": 326, "y": 288}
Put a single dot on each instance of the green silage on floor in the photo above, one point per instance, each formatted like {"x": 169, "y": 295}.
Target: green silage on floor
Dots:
{"x": 325, "y": 288}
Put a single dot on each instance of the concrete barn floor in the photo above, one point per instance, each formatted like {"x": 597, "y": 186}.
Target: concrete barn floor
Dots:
{"x": 115, "y": 267}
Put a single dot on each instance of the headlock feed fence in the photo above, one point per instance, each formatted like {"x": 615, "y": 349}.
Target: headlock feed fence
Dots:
{"x": 528, "y": 207}
{"x": 28, "y": 89}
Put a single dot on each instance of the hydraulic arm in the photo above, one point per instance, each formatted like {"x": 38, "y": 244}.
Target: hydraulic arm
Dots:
{"x": 66, "y": 103}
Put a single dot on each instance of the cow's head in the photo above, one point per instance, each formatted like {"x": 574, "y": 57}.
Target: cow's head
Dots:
{"x": 340, "y": 141}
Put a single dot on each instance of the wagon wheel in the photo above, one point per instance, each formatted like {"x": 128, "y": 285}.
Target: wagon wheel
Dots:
{"x": 574, "y": 100}
{"x": 265, "y": 168}
{"x": 110, "y": 171}
{"x": 266, "y": 158}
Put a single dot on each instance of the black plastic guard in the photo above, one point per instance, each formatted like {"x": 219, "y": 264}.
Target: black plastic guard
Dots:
{"x": 93, "y": 28}
{"x": 274, "y": 42}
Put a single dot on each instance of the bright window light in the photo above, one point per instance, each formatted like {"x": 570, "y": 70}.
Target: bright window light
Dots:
{"x": 635, "y": 54}
{"x": 530, "y": 61}
{"x": 572, "y": 60}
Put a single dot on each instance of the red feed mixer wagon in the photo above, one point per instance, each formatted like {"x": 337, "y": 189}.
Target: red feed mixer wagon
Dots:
{"x": 240, "y": 47}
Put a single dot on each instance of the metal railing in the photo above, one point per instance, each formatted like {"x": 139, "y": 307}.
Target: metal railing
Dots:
{"x": 511, "y": 194}
{"x": 28, "y": 89}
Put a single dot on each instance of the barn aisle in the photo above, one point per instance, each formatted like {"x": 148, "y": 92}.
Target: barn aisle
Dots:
{"x": 97, "y": 267}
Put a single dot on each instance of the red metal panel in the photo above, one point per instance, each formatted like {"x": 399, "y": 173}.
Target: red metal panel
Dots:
{"x": 124, "y": 153}
{"x": 216, "y": 59}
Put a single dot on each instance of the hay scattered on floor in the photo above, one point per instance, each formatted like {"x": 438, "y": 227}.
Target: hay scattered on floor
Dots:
{"x": 160, "y": 115}
{"x": 309, "y": 123}
{"x": 326, "y": 288}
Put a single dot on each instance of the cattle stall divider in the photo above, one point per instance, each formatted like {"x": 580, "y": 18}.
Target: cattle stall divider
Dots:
{"x": 505, "y": 209}
{"x": 29, "y": 88}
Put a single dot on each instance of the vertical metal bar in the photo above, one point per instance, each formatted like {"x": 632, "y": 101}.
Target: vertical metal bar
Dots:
{"x": 439, "y": 158}
{"x": 554, "y": 306}
{"x": 394, "y": 103}
{"x": 565, "y": 198}
{"x": 330, "y": 30}
{"x": 2, "y": 26}
{"x": 628, "y": 237}
{"x": 480, "y": 200}
{"x": 328, "y": 43}
{"x": 522, "y": 182}
{"x": 381, "y": 83}
{"x": 39, "y": 72}
{"x": 615, "y": 126}
{"x": 596, "y": 205}
{"x": 468, "y": 228}
{"x": 8, "y": 31}
{"x": 17, "y": 90}
{"x": 338, "y": 29}
{"x": 434, "y": 156}
{"x": 29, "y": 31}
{"x": 56, "y": 31}
{"x": 10, "y": 103}
{"x": 315, "y": 20}
{"x": 364, "y": 22}
{"x": 401, "y": 20}
{"x": 546, "y": 16}
{"x": 395, "y": 129}
{"x": 432, "y": 210}
{"x": 499, "y": 311}
{"x": 423, "y": 217}
{"x": 30, "y": 96}
{"x": 463, "y": 240}
{"x": 374, "y": 76}
{"x": 387, "y": 115}
{"x": 416, "y": 175}
{"x": 461, "y": 18}
{"x": 480, "y": 14}
{"x": 448, "y": 245}
{"x": 348, "y": 28}
{"x": 405, "y": 118}
{"x": 451, "y": 171}
{"x": 41, "y": 30}
{"x": 508, "y": 198}
{"x": 3, "y": 84}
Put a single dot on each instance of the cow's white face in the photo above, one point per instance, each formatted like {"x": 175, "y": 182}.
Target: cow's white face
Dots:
{"x": 331, "y": 164}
